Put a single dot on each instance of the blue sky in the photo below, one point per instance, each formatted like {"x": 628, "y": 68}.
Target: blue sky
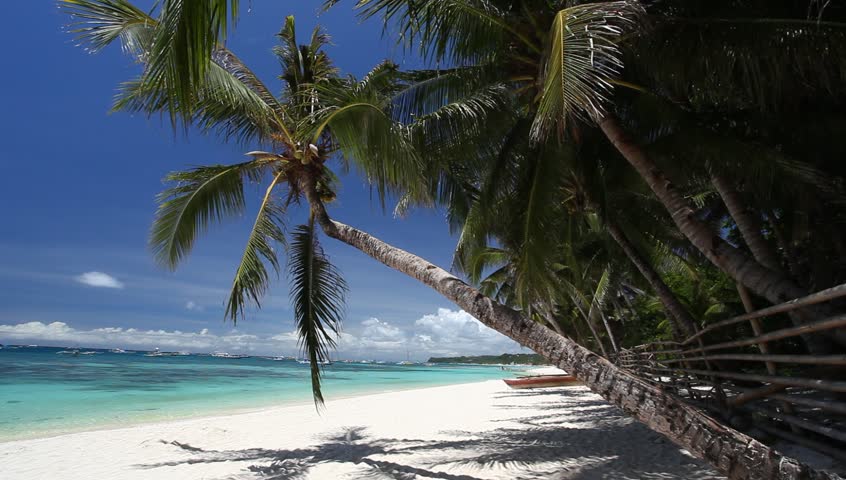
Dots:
{"x": 78, "y": 187}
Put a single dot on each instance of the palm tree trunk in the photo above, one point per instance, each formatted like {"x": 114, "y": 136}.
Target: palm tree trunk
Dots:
{"x": 748, "y": 223}
{"x": 774, "y": 286}
{"x": 733, "y": 453}
{"x": 675, "y": 310}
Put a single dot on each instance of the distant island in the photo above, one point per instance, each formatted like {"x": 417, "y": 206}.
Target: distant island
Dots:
{"x": 504, "y": 359}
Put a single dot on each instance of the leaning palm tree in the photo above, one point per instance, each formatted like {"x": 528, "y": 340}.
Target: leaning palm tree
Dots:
{"x": 345, "y": 116}
{"x": 319, "y": 116}
{"x": 562, "y": 62}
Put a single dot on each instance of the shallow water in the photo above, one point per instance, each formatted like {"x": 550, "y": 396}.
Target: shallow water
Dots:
{"x": 42, "y": 393}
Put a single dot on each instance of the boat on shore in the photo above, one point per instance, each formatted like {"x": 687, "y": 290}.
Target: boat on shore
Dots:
{"x": 542, "y": 381}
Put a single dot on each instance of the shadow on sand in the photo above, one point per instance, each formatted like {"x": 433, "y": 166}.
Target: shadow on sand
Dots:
{"x": 586, "y": 439}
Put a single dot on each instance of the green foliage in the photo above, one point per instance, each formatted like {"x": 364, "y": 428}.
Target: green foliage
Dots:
{"x": 251, "y": 278}
{"x": 584, "y": 58}
{"x": 318, "y": 294}
{"x": 504, "y": 359}
{"x": 198, "y": 198}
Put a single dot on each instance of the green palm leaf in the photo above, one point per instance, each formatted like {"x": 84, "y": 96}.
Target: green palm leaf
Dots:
{"x": 98, "y": 23}
{"x": 181, "y": 51}
{"x": 597, "y": 302}
{"x": 252, "y": 279}
{"x": 454, "y": 30}
{"x": 356, "y": 115}
{"x": 201, "y": 196}
{"x": 318, "y": 293}
{"x": 231, "y": 99}
{"x": 583, "y": 60}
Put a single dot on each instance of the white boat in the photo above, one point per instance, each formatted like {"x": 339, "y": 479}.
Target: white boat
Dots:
{"x": 308, "y": 362}
{"x": 158, "y": 353}
{"x": 405, "y": 362}
{"x": 89, "y": 352}
{"x": 68, "y": 352}
{"x": 228, "y": 355}
{"x": 117, "y": 350}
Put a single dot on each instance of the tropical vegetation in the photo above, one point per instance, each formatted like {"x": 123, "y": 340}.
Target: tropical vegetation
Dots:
{"x": 614, "y": 171}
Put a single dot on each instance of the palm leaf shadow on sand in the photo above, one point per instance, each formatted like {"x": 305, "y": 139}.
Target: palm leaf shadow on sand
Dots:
{"x": 601, "y": 442}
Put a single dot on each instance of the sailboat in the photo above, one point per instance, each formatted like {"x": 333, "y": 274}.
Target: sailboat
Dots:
{"x": 407, "y": 360}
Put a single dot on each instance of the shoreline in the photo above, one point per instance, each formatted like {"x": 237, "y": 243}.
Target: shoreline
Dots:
{"x": 462, "y": 431}
{"x": 268, "y": 404}
{"x": 213, "y": 414}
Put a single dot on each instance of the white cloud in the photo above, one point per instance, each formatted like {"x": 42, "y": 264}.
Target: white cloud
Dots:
{"x": 375, "y": 329}
{"x": 445, "y": 333}
{"x": 99, "y": 279}
{"x": 62, "y": 334}
{"x": 193, "y": 306}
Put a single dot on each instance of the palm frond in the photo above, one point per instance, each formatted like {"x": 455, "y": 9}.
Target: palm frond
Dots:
{"x": 485, "y": 259}
{"x": 756, "y": 62}
{"x": 583, "y": 60}
{"x": 425, "y": 91}
{"x": 183, "y": 46}
{"x": 251, "y": 278}
{"x": 367, "y": 137}
{"x": 454, "y": 124}
{"x": 224, "y": 106}
{"x": 318, "y": 293}
{"x": 536, "y": 230}
{"x": 230, "y": 99}
{"x": 600, "y": 293}
{"x": 201, "y": 196}
{"x": 457, "y": 31}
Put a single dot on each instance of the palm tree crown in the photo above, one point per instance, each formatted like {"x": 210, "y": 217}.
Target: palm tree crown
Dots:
{"x": 320, "y": 116}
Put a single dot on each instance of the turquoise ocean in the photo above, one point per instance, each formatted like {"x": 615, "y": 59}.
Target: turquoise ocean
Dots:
{"x": 43, "y": 393}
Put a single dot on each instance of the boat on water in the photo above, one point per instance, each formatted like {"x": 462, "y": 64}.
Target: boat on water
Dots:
{"x": 117, "y": 350}
{"x": 68, "y": 352}
{"x": 89, "y": 352}
{"x": 228, "y": 355}
{"x": 308, "y": 362}
{"x": 542, "y": 381}
{"x": 158, "y": 353}
{"x": 405, "y": 362}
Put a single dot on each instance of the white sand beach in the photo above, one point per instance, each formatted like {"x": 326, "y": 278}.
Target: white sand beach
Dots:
{"x": 464, "y": 432}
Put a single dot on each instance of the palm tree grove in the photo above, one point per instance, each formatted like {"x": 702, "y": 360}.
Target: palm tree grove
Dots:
{"x": 649, "y": 194}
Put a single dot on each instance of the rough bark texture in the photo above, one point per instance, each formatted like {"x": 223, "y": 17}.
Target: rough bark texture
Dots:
{"x": 774, "y": 286}
{"x": 731, "y": 452}
{"x": 675, "y": 310}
